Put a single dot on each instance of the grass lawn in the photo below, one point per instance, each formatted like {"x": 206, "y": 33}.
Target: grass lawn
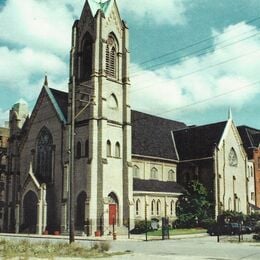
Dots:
{"x": 176, "y": 232}
{"x": 26, "y": 249}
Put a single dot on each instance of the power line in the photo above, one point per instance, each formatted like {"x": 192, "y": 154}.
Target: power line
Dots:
{"x": 181, "y": 108}
{"x": 205, "y": 51}
{"x": 199, "y": 70}
{"x": 196, "y": 43}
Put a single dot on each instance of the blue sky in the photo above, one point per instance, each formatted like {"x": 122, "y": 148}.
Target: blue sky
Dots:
{"x": 212, "y": 61}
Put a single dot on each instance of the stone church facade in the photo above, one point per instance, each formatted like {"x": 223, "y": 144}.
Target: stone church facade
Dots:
{"x": 128, "y": 165}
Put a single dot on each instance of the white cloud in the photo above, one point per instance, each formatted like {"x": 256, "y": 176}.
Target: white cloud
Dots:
{"x": 162, "y": 12}
{"x": 193, "y": 80}
{"x": 23, "y": 70}
{"x": 4, "y": 115}
{"x": 39, "y": 24}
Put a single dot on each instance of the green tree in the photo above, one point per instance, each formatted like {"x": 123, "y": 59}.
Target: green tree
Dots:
{"x": 194, "y": 208}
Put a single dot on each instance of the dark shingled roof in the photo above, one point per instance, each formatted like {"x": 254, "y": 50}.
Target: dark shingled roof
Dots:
{"x": 62, "y": 100}
{"x": 251, "y": 139}
{"x": 157, "y": 186}
{"x": 151, "y": 135}
{"x": 198, "y": 142}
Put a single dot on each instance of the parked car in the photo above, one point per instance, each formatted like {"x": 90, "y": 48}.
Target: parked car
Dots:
{"x": 224, "y": 229}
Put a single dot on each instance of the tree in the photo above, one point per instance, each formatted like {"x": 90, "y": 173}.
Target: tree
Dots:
{"x": 194, "y": 208}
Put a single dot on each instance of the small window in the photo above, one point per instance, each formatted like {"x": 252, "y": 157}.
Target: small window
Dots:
{"x": 154, "y": 173}
{"x": 78, "y": 152}
{"x": 252, "y": 196}
{"x": 172, "y": 207}
{"x": 171, "y": 175}
{"x": 158, "y": 208}
{"x": 109, "y": 148}
{"x": 136, "y": 172}
{"x": 229, "y": 204}
{"x": 232, "y": 158}
{"x": 87, "y": 149}
{"x": 117, "y": 150}
{"x": 137, "y": 207}
{"x": 153, "y": 208}
{"x": 252, "y": 172}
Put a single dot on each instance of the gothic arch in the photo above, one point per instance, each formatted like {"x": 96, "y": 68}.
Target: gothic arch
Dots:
{"x": 80, "y": 213}
{"x": 153, "y": 207}
{"x": 136, "y": 171}
{"x": 112, "y": 101}
{"x": 44, "y": 154}
{"x": 30, "y": 202}
{"x": 113, "y": 208}
{"x": 137, "y": 207}
{"x": 111, "y": 56}
{"x": 86, "y": 57}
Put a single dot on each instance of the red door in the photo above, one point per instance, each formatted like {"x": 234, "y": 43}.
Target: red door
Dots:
{"x": 112, "y": 214}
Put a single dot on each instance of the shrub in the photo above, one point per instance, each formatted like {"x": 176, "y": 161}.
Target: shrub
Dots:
{"x": 140, "y": 227}
{"x": 256, "y": 237}
{"x": 207, "y": 223}
{"x": 104, "y": 246}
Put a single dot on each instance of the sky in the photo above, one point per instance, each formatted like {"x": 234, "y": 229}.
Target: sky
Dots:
{"x": 191, "y": 60}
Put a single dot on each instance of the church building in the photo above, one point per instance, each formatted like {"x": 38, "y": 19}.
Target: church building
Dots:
{"x": 128, "y": 165}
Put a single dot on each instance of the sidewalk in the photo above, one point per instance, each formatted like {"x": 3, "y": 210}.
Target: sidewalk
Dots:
{"x": 103, "y": 238}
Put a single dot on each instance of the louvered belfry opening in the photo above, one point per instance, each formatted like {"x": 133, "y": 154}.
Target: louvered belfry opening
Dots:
{"x": 111, "y": 57}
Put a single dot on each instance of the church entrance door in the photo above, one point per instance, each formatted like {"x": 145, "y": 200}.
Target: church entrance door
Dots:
{"x": 30, "y": 212}
{"x": 112, "y": 214}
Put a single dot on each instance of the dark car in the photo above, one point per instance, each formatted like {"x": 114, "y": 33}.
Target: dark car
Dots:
{"x": 224, "y": 229}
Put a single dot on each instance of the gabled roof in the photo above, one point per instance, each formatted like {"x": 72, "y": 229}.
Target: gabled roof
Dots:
{"x": 251, "y": 139}
{"x": 151, "y": 136}
{"x": 61, "y": 99}
{"x": 56, "y": 101}
{"x": 157, "y": 186}
{"x": 198, "y": 142}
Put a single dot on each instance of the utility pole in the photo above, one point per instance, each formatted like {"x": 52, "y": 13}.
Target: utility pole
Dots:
{"x": 72, "y": 151}
{"x": 74, "y": 116}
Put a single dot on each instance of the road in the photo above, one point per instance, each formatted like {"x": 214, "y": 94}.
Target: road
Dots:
{"x": 189, "y": 249}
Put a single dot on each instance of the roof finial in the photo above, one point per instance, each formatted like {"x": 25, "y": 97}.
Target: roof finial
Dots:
{"x": 45, "y": 80}
{"x": 230, "y": 117}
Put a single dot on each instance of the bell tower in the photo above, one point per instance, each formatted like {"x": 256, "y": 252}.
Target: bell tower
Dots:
{"x": 99, "y": 64}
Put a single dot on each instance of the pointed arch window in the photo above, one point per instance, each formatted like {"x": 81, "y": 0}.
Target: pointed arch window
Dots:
{"x": 232, "y": 158}
{"x": 136, "y": 171}
{"x": 229, "y": 204}
{"x": 158, "y": 208}
{"x": 153, "y": 208}
{"x": 111, "y": 57}
{"x": 137, "y": 207}
{"x": 117, "y": 150}
{"x": 109, "y": 148}
{"x": 78, "y": 150}
{"x": 154, "y": 173}
{"x": 172, "y": 207}
{"x": 44, "y": 161}
{"x": 86, "y": 57}
{"x": 171, "y": 175}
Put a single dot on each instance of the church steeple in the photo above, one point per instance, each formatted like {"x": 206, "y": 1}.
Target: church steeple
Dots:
{"x": 230, "y": 117}
{"x": 45, "y": 80}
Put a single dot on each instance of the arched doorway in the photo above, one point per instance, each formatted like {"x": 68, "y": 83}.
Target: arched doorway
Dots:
{"x": 30, "y": 212}
{"x": 80, "y": 217}
{"x": 51, "y": 201}
{"x": 113, "y": 209}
